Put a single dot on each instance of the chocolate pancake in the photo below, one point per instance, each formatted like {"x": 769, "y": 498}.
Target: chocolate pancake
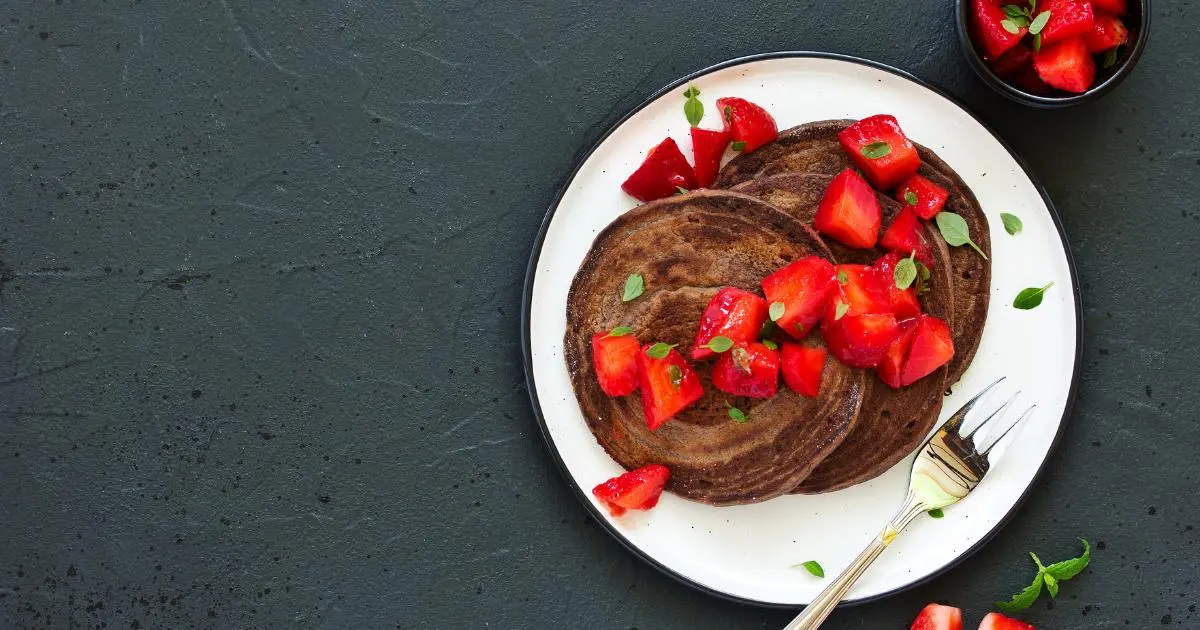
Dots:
{"x": 687, "y": 248}
{"x": 814, "y": 148}
{"x": 892, "y": 422}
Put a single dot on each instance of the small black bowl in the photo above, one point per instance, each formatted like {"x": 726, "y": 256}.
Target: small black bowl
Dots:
{"x": 1138, "y": 23}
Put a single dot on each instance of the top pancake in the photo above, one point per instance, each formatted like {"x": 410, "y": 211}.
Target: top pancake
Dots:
{"x": 686, "y": 248}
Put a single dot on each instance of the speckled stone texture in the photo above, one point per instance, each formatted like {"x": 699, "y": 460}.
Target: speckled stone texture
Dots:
{"x": 259, "y": 300}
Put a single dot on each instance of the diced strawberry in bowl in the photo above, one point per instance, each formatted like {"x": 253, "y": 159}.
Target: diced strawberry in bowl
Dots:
{"x": 860, "y": 340}
{"x": 906, "y": 235}
{"x": 1115, "y": 7}
{"x": 849, "y": 212}
{"x": 669, "y": 385}
{"x": 903, "y": 302}
{"x": 748, "y": 369}
{"x": 1011, "y": 63}
{"x": 707, "y": 149}
{"x": 615, "y": 358}
{"x": 635, "y": 490}
{"x": 802, "y": 288}
{"x": 1107, "y": 32}
{"x": 938, "y": 617}
{"x": 878, "y": 147}
{"x": 1066, "y": 65}
{"x": 732, "y": 313}
{"x": 662, "y": 174}
{"x": 891, "y": 367}
{"x": 924, "y": 196}
{"x": 932, "y": 347}
{"x": 862, "y": 288}
{"x": 987, "y": 18}
{"x": 996, "y": 621}
{"x": 1068, "y": 18}
{"x": 802, "y": 368}
{"x": 749, "y": 125}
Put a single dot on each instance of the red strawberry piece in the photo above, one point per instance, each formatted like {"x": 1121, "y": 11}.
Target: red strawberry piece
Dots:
{"x": 1012, "y": 62}
{"x": 862, "y": 288}
{"x": 879, "y": 148}
{"x": 931, "y": 348}
{"x": 1066, "y": 65}
{"x": 903, "y": 302}
{"x": 891, "y": 366}
{"x": 996, "y": 621}
{"x": 860, "y": 340}
{"x": 849, "y": 211}
{"x": 987, "y": 18}
{"x": 1115, "y": 7}
{"x": 802, "y": 368}
{"x": 1108, "y": 31}
{"x": 707, "y": 149}
{"x": 906, "y": 235}
{"x": 635, "y": 490}
{"x": 732, "y": 313}
{"x": 803, "y": 287}
{"x": 1068, "y": 18}
{"x": 1027, "y": 79}
{"x": 616, "y": 363}
{"x": 662, "y": 174}
{"x": 930, "y": 197}
{"x": 747, "y": 369}
{"x": 747, "y": 123}
{"x": 666, "y": 391}
{"x": 938, "y": 617}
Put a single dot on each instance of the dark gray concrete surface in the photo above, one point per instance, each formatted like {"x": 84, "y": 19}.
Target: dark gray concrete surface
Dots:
{"x": 259, "y": 309}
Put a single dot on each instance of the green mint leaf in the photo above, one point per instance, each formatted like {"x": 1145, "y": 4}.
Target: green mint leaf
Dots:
{"x": 1037, "y": 561}
{"x": 728, "y": 112}
{"x": 1032, "y": 6}
{"x": 719, "y": 344}
{"x": 737, "y": 415}
{"x": 842, "y": 277}
{"x": 770, "y": 344}
{"x": 634, "y": 285}
{"x": 1010, "y": 26}
{"x": 955, "y": 231}
{"x": 1110, "y": 57}
{"x": 1051, "y": 585}
{"x": 680, "y": 190}
{"x": 1031, "y": 297}
{"x": 693, "y": 109}
{"x": 905, "y": 273}
{"x": 620, "y": 331}
{"x": 776, "y": 311}
{"x": 659, "y": 350}
{"x": 1012, "y": 223}
{"x": 812, "y": 566}
{"x": 1039, "y": 23}
{"x": 910, "y": 197}
{"x": 692, "y": 91}
{"x": 676, "y": 375}
{"x": 1037, "y": 42}
{"x": 922, "y": 277}
{"x": 1068, "y": 569}
{"x": 1025, "y": 598}
{"x": 768, "y": 329}
{"x": 936, "y": 513}
{"x": 876, "y": 150}
{"x": 737, "y": 145}
{"x": 842, "y": 307}
{"x": 1012, "y": 10}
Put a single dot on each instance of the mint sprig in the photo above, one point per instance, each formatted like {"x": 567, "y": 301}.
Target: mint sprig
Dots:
{"x": 692, "y": 107}
{"x": 1049, "y": 577}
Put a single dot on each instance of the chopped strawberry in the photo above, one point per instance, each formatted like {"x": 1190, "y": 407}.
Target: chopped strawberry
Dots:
{"x": 803, "y": 287}
{"x": 1027, "y": 79}
{"x": 1068, "y": 18}
{"x": 860, "y": 340}
{"x": 996, "y": 621}
{"x": 931, "y": 348}
{"x": 748, "y": 369}
{"x": 938, "y": 617}
{"x": 879, "y": 148}
{"x": 1066, "y": 65}
{"x": 802, "y": 368}
{"x": 1115, "y": 7}
{"x": 903, "y": 302}
{"x": 1108, "y": 31}
{"x": 929, "y": 197}
{"x": 906, "y": 235}
{"x": 1012, "y": 62}
{"x": 862, "y": 288}
{"x": 707, "y": 148}
{"x": 849, "y": 211}
{"x": 662, "y": 174}
{"x": 616, "y": 363}
{"x": 732, "y": 313}
{"x": 746, "y": 123}
{"x": 987, "y": 16}
{"x": 635, "y": 490}
{"x": 666, "y": 391}
{"x": 892, "y": 364}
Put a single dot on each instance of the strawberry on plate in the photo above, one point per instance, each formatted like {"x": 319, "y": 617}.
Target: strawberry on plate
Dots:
{"x": 932, "y": 347}
{"x": 1066, "y": 65}
{"x": 748, "y": 369}
{"x": 635, "y": 490}
{"x": 924, "y": 196}
{"x": 892, "y": 364}
{"x": 903, "y": 302}
{"x": 996, "y": 621}
{"x": 862, "y": 288}
{"x": 987, "y": 18}
{"x": 614, "y": 355}
{"x": 878, "y": 147}
{"x": 938, "y": 617}
{"x": 860, "y": 340}
{"x": 802, "y": 287}
{"x": 669, "y": 385}
{"x": 749, "y": 125}
{"x": 732, "y": 313}
{"x": 707, "y": 149}
{"x": 1068, "y": 18}
{"x": 1107, "y": 32}
{"x": 1115, "y": 7}
{"x": 906, "y": 235}
{"x": 802, "y": 368}
{"x": 662, "y": 174}
{"x": 849, "y": 211}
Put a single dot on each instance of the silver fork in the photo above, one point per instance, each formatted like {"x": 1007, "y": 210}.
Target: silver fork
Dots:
{"x": 948, "y": 468}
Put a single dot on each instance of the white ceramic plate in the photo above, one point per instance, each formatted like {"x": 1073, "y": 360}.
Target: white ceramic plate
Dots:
{"x": 746, "y": 552}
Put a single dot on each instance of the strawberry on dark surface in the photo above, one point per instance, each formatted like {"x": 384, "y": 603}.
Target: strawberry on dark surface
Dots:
{"x": 708, "y": 147}
{"x": 938, "y": 617}
{"x": 906, "y": 235}
{"x": 1108, "y": 31}
{"x": 929, "y": 198}
{"x": 878, "y": 147}
{"x": 1066, "y": 65}
{"x": 860, "y": 340}
{"x": 749, "y": 125}
{"x": 1068, "y": 18}
{"x": 903, "y": 302}
{"x": 996, "y": 621}
{"x": 803, "y": 287}
{"x": 849, "y": 212}
{"x": 1115, "y": 7}
{"x": 891, "y": 366}
{"x": 732, "y": 313}
{"x": 747, "y": 369}
{"x": 635, "y": 490}
{"x": 932, "y": 347}
{"x": 615, "y": 360}
{"x": 662, "y": 174}
{"x": 986, "y": 20}
{"x": 669, "y": 385}
{"x": 802, "y": 367}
